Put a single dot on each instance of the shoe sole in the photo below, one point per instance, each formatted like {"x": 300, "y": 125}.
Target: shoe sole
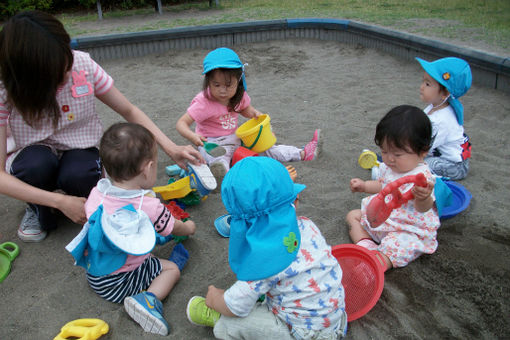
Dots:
{"x": 144, "y": 318}
{"x": 31, "y": 238}
{"x": 187, "y": 312}
{"x": 204, "y": 176}
{"x": 222, "y": 225}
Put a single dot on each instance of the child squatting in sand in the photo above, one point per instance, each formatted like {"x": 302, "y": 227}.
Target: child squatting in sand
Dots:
{"x": 215, "y": 111}
{"x": 404, "y": 135}
{"x": 277, "y": 254}
{"x": 115, "y": 244}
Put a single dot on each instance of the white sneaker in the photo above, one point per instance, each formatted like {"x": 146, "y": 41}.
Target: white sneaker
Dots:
{"x": 30, "y": 228}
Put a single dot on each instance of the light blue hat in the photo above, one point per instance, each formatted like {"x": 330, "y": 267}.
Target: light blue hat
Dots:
{"x": 264, "y": 235}
{"x": 223, "y": 58}
{"x": 454, "y": 74}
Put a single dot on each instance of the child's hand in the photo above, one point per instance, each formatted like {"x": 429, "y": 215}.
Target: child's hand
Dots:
{"x": 197, "y": 139}
{"x": 357, "y": 185}
{"x": 184, "y": 228}
{"x": 422, "y": 193}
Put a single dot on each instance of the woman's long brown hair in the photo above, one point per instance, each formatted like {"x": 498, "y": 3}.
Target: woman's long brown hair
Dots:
{"x": 35, "y": 55}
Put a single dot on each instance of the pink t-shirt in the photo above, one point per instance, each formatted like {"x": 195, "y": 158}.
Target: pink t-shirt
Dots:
{"x": 79, "y": 127}
{"x": 214, "y": 119}
{"x": 117, "y": 198}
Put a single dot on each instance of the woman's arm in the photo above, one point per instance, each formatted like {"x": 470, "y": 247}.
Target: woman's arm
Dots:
{"x": 71, "y": 206}
{"x": 120, "y": 104}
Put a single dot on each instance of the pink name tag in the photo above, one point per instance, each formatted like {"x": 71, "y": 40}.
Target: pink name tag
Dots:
{"x": 81, "y": 87}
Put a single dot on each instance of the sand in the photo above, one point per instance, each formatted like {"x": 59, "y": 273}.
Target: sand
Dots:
{"x": 461, "y": 291}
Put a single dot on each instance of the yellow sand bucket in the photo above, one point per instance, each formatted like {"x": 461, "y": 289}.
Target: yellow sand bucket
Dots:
{"x": 256, "y": 134}
{"x": 368, "y": 159}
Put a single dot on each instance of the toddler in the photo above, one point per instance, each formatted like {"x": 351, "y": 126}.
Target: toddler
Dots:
{"x": 444, "y": 81}
{"x": 273, "y": 253}
{"x": 215, "y": 112}
{"x": 115, "y": 244}
{"x": 404, "y": 135}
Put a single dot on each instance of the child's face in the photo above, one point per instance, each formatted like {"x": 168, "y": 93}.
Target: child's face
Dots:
{"x": 430, "y": 91}
{"x": 222, "y": 86}
{"x": 400, "y": 160}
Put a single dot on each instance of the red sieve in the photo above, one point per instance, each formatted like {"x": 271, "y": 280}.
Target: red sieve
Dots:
{"x": 362, "y": 278}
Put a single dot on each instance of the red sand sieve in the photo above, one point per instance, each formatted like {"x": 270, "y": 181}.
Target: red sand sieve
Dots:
{"x": 362, "y": 278}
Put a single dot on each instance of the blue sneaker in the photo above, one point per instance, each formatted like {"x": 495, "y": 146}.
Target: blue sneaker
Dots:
{"x": 201, "y": 179}
{"x": 222, "y": 225}
{"x": 147, "y": 311}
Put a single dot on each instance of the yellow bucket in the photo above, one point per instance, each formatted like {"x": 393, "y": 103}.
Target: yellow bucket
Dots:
{"x": 256, "y": 134}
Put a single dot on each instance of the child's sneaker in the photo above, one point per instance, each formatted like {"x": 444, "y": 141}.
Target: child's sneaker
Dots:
{"x": 201, "y": 179}
{"x": 218, "y": 170}
{"x": 30, "y": 227}
{"x": 312, "y": 149}
{"x": 199, "y": 314}
{"x": 222, "y": 225}
{"x": 147, "y": 311}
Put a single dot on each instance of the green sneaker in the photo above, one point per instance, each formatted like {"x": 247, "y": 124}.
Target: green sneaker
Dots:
{"x": 199, "y": 314}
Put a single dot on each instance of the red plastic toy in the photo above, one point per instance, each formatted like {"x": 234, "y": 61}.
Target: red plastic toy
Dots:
{"x": 381, "y": 206}
{"x": 176, "y": 211}
{"x": 240, "y": 153}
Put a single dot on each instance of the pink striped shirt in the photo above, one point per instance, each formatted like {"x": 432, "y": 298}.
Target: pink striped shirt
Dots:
{"x": 79, "y": 126}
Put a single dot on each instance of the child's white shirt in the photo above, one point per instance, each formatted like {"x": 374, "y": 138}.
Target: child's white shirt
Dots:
{"x": 447, "y": 132}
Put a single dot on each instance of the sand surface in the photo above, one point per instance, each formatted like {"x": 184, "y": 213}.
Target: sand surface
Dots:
{"x": 462, "y": 291}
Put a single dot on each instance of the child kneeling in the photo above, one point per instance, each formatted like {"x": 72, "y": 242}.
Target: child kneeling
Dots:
{"x": 115, "y": 244}
{"x": 277, "y": 254}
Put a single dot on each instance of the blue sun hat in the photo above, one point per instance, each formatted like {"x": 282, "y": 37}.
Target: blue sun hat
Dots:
{"x": 454, "y": 74}
{"x": 223, "y": 58}
{"x": 264, "y": 235}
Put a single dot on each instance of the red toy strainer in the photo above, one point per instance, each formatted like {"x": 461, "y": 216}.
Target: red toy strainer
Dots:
{"x": 362, "y": 278}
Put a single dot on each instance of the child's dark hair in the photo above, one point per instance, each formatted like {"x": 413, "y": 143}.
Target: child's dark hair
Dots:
{"x": 35, "y": 55}
{"x": 405, "y": 127}
{"x": 230, "y": 73}
{"x": 124, "y": 148}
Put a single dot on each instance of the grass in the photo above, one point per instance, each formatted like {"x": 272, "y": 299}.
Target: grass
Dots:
{"x": 488, "y": 20}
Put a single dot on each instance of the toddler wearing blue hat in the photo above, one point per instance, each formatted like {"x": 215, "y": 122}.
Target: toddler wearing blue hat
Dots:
{"x": 444, "y": 82}
{"x": 215, "y": 111}
{"x": 273, "y": 253}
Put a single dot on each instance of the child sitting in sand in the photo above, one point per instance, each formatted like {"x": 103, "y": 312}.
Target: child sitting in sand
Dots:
{"x": 115, "y": 244}
{"x": 444, "y": 81}
{"x": 215, "y": 111}
{"x": 404, "y": 135}
{"x": 276, "y": 253}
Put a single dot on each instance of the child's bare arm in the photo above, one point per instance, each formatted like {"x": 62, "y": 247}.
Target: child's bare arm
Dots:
{"x": 184, "y": 228}
{"x": 183, "y": 127}
{"x": 250, "y": 112}
{"x": 370, "y": 187}
{"x": 423, "y": 200}
{"x": 214, "y": 299}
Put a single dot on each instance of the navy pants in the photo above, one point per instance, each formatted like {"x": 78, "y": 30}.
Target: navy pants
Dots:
{"x": 76, "y": 172}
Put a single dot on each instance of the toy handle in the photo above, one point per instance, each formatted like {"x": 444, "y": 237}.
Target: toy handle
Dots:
{"x": 398, "y": 197}
{"x": 10, "y": 249}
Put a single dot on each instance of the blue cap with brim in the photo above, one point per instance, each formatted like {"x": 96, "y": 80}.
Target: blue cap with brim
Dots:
{"x": 223, "y": 58}
{"x": 455, "y": 75}
{"x": 264, "y": 235}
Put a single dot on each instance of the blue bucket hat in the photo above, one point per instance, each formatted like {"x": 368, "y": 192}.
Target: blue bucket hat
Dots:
{"x": 454, "y": 74}
{"x": 223, "y": 58}
{"x": 264, "y": 235}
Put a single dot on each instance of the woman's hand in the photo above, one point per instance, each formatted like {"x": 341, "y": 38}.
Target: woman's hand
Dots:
{"x": 184, "y": 154}
{"x": 73, "y": 207}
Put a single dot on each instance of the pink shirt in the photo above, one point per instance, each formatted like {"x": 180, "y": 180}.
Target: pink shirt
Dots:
{"x": 116, "y": 198}
{"x": 214, "y": 119}
{"x": 79, "y": 126}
